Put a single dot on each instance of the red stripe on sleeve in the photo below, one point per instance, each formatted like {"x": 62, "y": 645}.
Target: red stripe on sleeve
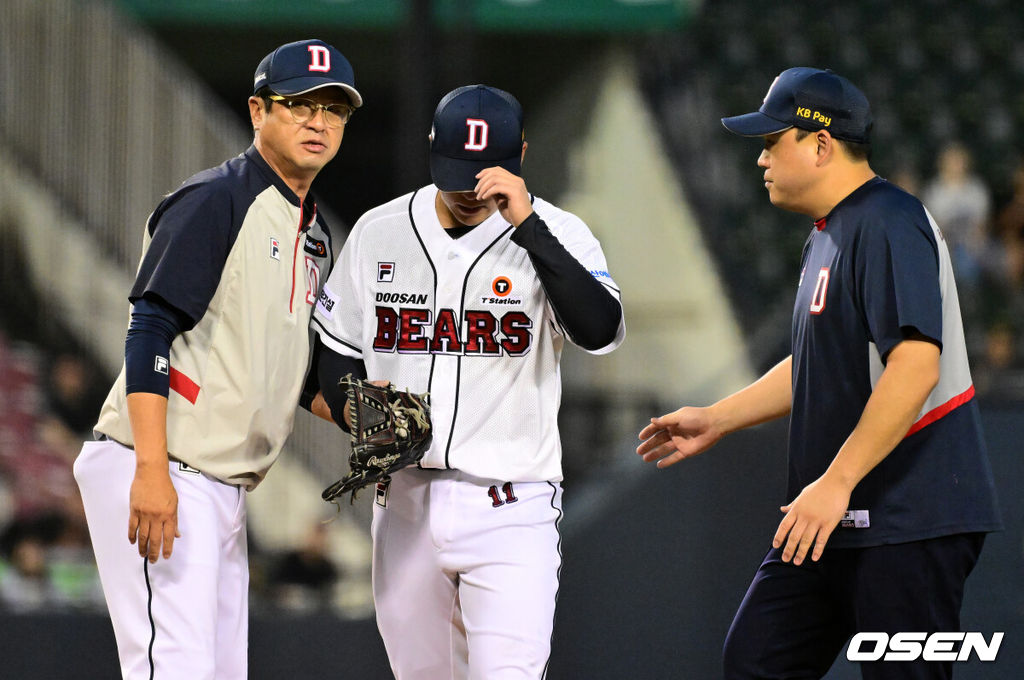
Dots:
{"x": 941, "y": 410}
{"x": 183, "y": 385}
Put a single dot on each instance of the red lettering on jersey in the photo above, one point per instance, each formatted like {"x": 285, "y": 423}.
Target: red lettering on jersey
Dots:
{"x": 407, "y": 330}
{"x": 412, "y": 339}
{"x": 319, "y": 58}
{"x": 387, "y": 330}
{"x": 480, "y": 329}
{"x": 312, "y": 280}
{"x": 477, "y": 134}
{"x": 515, "y": 327}
{"x": 820, "y": 291}
{"x": 446, "y": 334}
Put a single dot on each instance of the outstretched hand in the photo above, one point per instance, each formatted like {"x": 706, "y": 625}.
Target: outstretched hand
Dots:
{"x": 508, "y": 191}
{"x": 672, "y": 437}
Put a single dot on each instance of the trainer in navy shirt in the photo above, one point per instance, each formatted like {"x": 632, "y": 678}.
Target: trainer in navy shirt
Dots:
{"x": 890, "y": 492}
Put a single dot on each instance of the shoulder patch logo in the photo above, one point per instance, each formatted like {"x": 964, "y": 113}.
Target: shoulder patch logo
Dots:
{"x": 385, "y": 272}
{"x": 160, "y": 365}
{"x": 315, "y": 246}
{"x": 275, "y": 248}
{"x": 325, "y": 303}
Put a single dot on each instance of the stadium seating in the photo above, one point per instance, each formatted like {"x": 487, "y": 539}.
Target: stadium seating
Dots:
{"x": 934, "y": 70}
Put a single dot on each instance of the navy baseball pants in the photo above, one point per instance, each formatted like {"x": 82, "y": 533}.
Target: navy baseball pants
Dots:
{"x": 794, "y": 620}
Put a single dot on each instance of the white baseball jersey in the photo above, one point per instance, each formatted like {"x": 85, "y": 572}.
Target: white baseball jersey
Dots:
{"x": 466, "y": 320}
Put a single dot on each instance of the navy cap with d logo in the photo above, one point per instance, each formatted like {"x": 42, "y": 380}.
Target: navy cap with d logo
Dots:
{"x": 811, "y": 99}
{"x": 475, "y": 127}
{"x": 304, "y": 66}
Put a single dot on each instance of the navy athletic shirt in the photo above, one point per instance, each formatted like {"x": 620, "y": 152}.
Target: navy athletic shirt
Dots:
{"x": 874, "y": 271}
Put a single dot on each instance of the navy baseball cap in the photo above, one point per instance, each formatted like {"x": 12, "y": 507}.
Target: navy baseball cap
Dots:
{"x": 811, "y": 99}
{"x": 304, "y": 66}
{"x": 475, "y": 127}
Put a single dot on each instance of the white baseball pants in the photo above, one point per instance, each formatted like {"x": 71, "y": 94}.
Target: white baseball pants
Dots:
{"x": 465, "y": 575}
{"x": 185, "y": 617}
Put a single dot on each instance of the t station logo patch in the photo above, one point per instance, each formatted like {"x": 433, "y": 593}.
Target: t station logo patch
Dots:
{"x": 501, "y": 286}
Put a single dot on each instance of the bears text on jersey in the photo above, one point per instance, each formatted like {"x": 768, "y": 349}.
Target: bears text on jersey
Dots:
{"x": 407, "y": 330}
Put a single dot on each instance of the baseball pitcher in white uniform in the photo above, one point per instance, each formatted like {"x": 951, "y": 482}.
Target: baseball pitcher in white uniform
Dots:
{"x": 467, "y": 289}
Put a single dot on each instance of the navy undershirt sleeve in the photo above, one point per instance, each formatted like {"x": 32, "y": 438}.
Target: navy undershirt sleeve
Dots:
{"x": 330, "y": 368}
{"x": 312, "y": 384}
{"x": 147, "y": 349}
{"x": 587, "y": 310}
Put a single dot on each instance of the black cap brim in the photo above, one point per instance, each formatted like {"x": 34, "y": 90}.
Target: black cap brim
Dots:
{"x": 754, "y": 124}
{"x": 457, "y": 174}
{"x": 303, "y": 85}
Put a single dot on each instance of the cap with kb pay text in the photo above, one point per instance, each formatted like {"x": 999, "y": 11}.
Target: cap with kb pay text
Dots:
{"x": 475, "y": 127}
{"x": 810, "y": 99}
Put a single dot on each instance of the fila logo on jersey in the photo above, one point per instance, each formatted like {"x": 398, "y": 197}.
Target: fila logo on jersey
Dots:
{"x": 275, "y": 248}
{"x": 820, "y": 291}
{"x": 160, "y": 365}
{"x": 407, "y": 331}
{"x": 385, "y": 272}
{"x": 477, "y": 134}
{"x": 319, "y": 58}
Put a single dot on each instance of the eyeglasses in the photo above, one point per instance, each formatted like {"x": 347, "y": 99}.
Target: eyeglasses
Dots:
{"x": 302, "y": 110}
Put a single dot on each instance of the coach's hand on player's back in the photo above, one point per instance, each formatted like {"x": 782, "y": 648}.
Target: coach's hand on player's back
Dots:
{"x": 508, "y": 191}
{"x": 672, "y": 437}
{"x": 153, "y": 518}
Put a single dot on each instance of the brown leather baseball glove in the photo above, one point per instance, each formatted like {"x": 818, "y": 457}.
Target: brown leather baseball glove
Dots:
{"x": 390, "y": 430}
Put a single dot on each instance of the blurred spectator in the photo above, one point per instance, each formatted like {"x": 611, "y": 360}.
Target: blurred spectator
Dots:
{"x": 999, "y": 377}
{"x": 1010, "y": 229}
{"x": 71, "y": 395}
{"x": 25, "y": 583}
{"x": 304, "y": 578}
{"x": 960, "y": 203}
{"x": 48, "y": 565}
{"x": 906, "y": 178}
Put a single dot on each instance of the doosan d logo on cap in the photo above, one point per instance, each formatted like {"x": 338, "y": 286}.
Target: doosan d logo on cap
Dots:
{"x": 304, "y": 66}
{"x": 475, "y": 127}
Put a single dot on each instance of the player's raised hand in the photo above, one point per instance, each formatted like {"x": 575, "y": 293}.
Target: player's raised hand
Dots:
{"x": 153, "y": 512}
{"x": 670, "y": 438}
{"x": 811, "y": 518}
{"x": 508, "y": 191}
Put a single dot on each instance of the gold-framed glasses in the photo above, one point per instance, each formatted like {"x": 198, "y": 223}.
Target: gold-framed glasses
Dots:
{"x": 302, "y": 110}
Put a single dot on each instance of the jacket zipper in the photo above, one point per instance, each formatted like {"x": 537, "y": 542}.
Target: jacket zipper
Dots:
{"x": 295, "y": 257}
